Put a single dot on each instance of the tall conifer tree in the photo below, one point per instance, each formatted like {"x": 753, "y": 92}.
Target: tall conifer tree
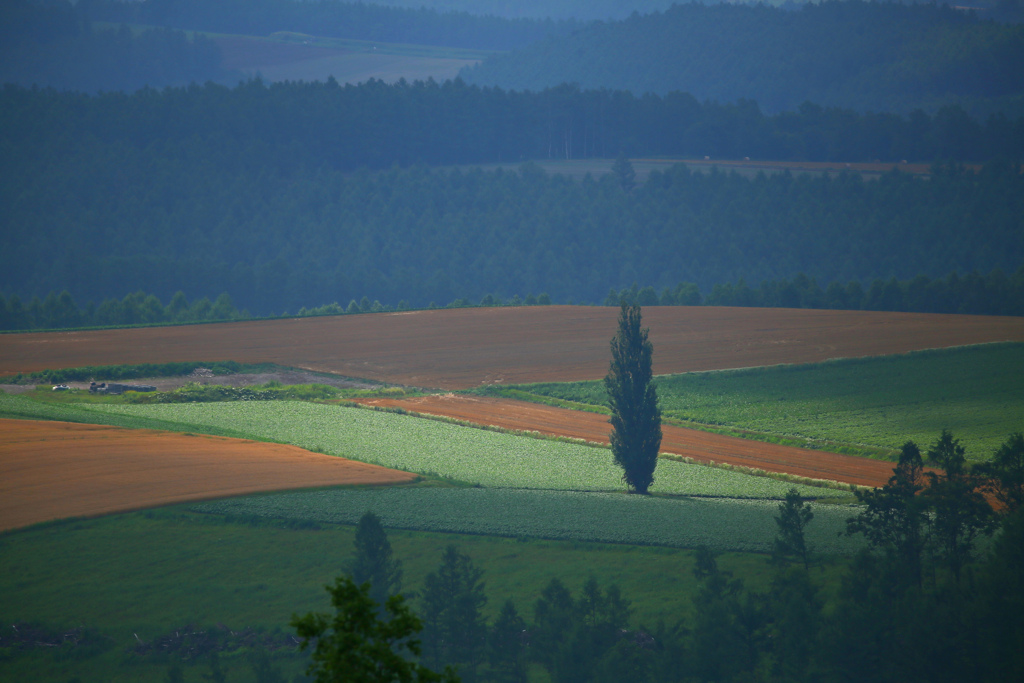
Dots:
{"x": 636, "y": 418}
{"x": 373, "y": 561}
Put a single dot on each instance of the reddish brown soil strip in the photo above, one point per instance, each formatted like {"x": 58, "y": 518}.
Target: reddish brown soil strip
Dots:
{"x": 51, "y": 470}
{"x": 701, "y": 446}
{"x": 462, "y": 348}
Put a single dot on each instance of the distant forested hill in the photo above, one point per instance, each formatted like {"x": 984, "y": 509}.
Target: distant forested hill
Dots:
{"x": 333, "y": 18}
{"x": 1003, "y": 10}
{"x": 51, "y": 45}
{"x": 539, "y": 9}
{"x": 251, "y": 191}
{"x": 875, "y": 56}
{"x": 285, "y": 126}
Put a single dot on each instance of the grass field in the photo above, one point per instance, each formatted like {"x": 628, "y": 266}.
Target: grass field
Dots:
{"x": 977, "y": 392}
{"x": 151, "y": 573}
{"x": 722, "y": 524}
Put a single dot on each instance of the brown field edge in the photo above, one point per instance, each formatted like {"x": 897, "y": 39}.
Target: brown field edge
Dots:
{"x": 463, "y": 348}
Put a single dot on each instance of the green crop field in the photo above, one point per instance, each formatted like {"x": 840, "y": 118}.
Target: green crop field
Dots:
{"x": 878, "y": 403}
{"x": 474, "y": 456}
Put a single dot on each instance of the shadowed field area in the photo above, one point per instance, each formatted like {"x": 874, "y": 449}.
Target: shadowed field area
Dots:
{"x": 465, "y": 348}
{"x": 50, "y": 470}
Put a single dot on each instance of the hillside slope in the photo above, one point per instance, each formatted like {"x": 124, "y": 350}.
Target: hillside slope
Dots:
{"x": 864, "y": 56}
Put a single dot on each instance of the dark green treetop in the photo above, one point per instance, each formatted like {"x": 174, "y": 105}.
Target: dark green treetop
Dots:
{"x": 373, "y": 562}
{"x": 357, "y": 646}
{"x": 794, "y": 515}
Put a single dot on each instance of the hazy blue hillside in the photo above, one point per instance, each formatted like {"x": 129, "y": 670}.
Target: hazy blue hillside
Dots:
{"x": 865, "y": 56}
{"x": 1003, "y": 10}
{"x": 334, "y": 18}
{"x": 51, "y": 45}
{"x": 539, "y": 9}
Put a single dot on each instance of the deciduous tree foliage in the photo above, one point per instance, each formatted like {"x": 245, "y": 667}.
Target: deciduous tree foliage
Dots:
{"x": 635, "y": 416}
{"x": 895, "y": 518}
{"x": 1005, "y": 474}
{"x": 794, "y": 516}
{"x": 961, "y": 513}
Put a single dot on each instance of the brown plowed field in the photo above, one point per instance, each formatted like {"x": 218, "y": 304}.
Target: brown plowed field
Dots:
{"x": 701, "y": 446}
{"x": 462, "y": 348}
{"x": 50, "y": 470}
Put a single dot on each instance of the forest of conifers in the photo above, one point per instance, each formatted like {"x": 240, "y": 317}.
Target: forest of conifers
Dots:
{"x": 858, "y": 55}
{"x": 877, "y": 56}
{"x": 255, "y": 191}
{"x": 294, "y": 195}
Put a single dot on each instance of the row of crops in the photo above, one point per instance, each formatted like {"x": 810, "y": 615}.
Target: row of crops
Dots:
{"x": 724, "y": 524}
{"x": 867, "y": 404}
{"x": 512, "y": 485}
{"x": 474, "y": 456}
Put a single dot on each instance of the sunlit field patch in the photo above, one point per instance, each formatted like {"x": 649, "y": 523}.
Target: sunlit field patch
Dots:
{"x": 473, "y": 456}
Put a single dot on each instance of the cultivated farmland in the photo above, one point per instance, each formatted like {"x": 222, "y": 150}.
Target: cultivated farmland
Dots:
{"x": 723, "y": 524}
{"x": 465, "y": 348}
{"x": 51, "y": 470}
{"x": 295, "y": 57}
{"x": 474, "y": 456}
{"x": 690, "y": 443}
{"x": 866, "y": 406}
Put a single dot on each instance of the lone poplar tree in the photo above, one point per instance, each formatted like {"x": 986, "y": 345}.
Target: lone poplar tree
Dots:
{"x": 636, "y": 418}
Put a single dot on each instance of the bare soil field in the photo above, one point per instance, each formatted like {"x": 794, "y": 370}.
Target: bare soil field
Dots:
{"x": 206, "y": 376}
{"x": 702, "y": 446}
{"x": 462, "y": 348}
{"x": 52, "y": 470}
{"x": 275, "y": 60}
{"x": 247, "y": 53}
